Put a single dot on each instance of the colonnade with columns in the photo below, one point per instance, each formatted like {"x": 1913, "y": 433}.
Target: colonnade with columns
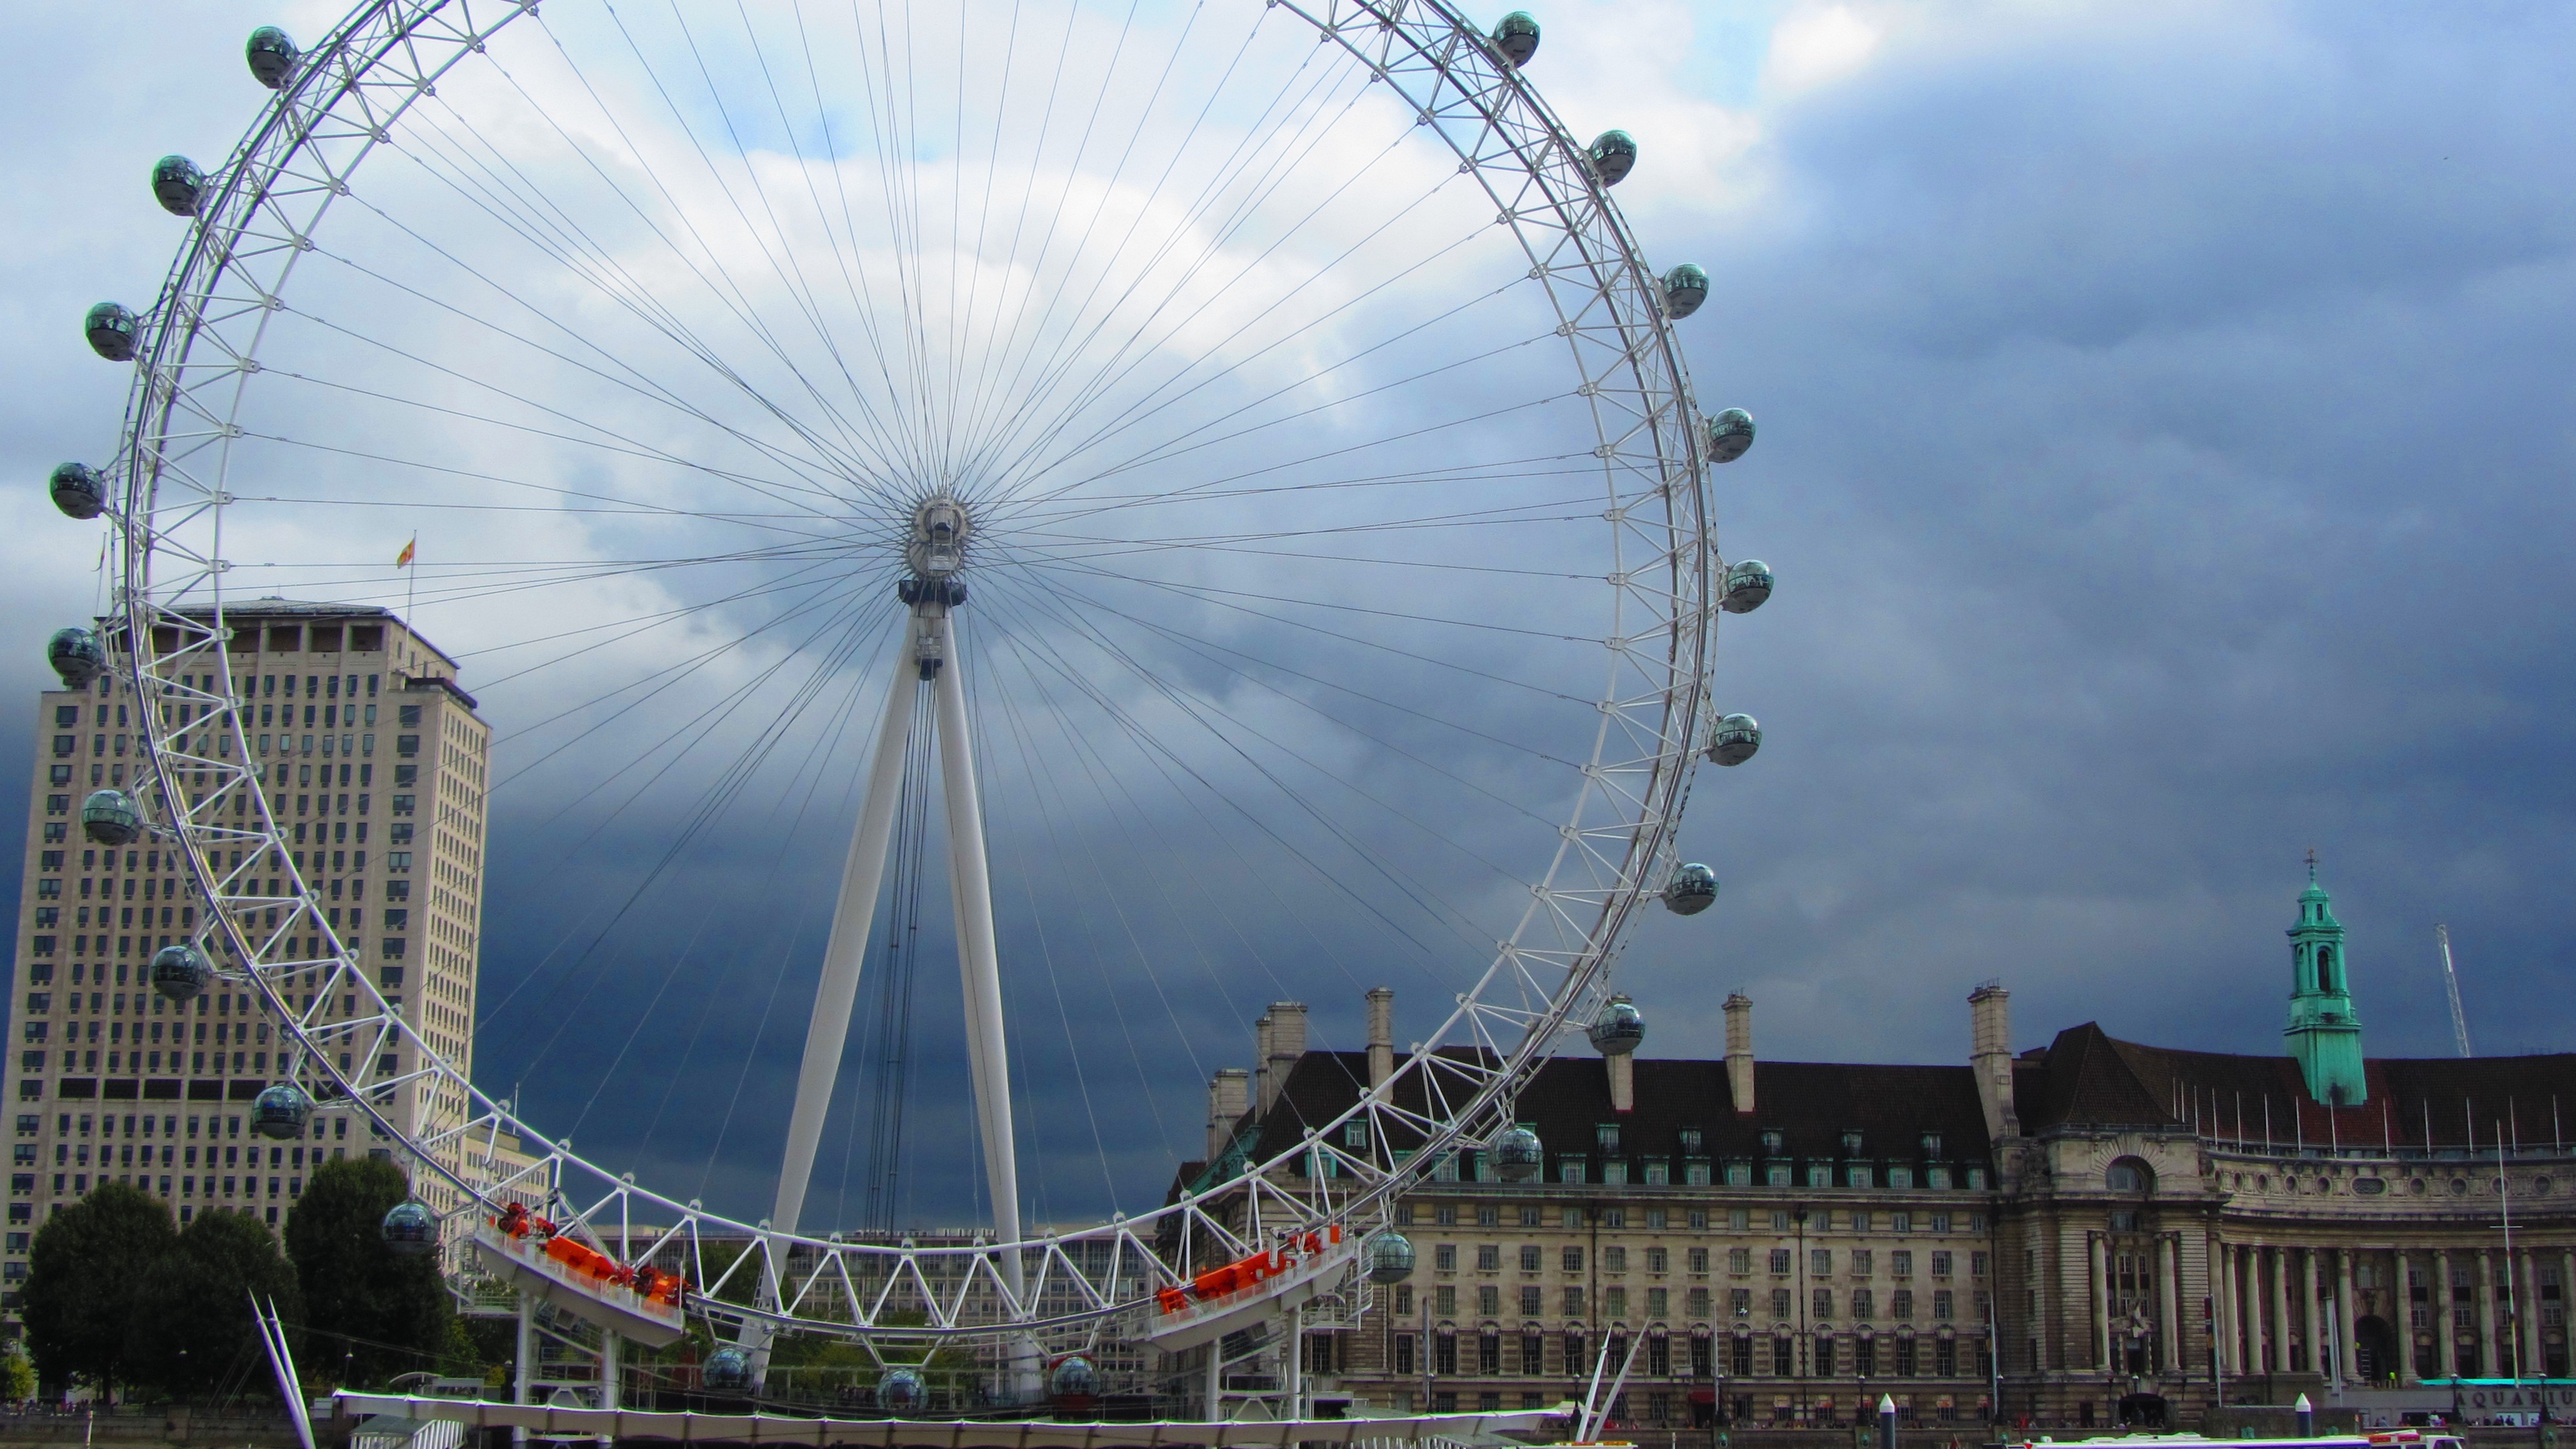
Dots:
{"x": 2272, "y": 1303}
{"x": 2166, "y": 1342}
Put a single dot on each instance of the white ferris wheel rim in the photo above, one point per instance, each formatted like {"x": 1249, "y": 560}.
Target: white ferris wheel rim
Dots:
{"x": 198, "y": 352}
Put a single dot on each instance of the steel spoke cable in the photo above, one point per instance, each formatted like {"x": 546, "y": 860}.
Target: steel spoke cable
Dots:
{"x": 1083, "y": 682}
{"x": 1249, "y": 146}
{"x": 629, "y": 295}
{"x": 632, "y": 294}
{"x": 1239, "y": 728}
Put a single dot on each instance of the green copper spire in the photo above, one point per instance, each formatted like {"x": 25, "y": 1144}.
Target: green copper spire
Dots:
{"x": 2324, "y": 1033}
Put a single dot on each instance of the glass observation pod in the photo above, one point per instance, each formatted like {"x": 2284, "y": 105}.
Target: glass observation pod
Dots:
{"x": 1735, "y": 740}
{"x": 1685, "y": 287}
{"x": 77, "y": 490}
{"x": 110, "y": 817}
{"x": 1614, "y": 155}
{"x": 111, "y": 327}
{"x": 178, "y": 185}
{"x": 1620, "y": 1028}
{"x": 76, "y": 656}
{"x": 410, "y": 1228}
{"x": 726, "y": 1371}
{"x": 1516, "y": 37}
{"x": 901, "y": 1391}
{"x": 1389, "y": 1257}
{"x": 1692, "y": 890}
{"x": 180, "y": 971}
{"x": 1748, "y": 584}
{"x": 1518, "y": 1155}
{"x": 281, "y": 1111}
{"x": 272, "y": 57}
{"x": 1073, "y": 1378}
{"x": 1730, "y": 434}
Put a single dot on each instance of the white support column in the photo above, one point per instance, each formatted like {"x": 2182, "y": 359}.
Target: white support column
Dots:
{"x": 2347, "y": 1320}
{"x": 844, "y": 953}
{"x": 2312, "y": 1317}
{"x": 979, "y": 968}
{"x": 1297, "y": 1362}
{"x": 608, "y": 1380}
{"x": 2169, "y": 1334}
{"x": 2098, "y": 1251}
{"x": 845, "y": 950}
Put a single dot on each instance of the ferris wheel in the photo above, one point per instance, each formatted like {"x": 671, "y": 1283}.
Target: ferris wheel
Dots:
{"x": 1184, "y": 477}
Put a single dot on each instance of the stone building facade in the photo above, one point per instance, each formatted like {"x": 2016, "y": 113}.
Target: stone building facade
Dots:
{"x": 2057, "y": 1230}
{"x": 376, "y": 760}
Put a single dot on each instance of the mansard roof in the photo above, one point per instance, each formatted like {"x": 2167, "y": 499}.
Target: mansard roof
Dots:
{"x": 2087, "y": 1078}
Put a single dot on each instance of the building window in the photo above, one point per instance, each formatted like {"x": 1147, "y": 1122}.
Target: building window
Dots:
{"x": 1780, "y": 1263}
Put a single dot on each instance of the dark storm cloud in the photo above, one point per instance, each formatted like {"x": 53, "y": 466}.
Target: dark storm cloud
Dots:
{"x": 2164, "y": 454}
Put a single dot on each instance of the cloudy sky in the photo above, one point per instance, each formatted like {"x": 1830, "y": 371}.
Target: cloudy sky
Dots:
{"x": 2163, "y": 455}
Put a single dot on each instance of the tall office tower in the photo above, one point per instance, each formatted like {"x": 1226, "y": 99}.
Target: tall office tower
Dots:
{"x": 374, "y": 763}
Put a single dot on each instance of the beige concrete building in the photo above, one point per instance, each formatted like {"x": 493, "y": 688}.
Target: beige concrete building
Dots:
{"x": 374, "y": 763}
{"x": 2085, "y": 1230}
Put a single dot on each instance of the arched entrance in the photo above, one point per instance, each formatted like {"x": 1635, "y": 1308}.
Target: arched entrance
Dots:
{"x": 2374, "y": 1350}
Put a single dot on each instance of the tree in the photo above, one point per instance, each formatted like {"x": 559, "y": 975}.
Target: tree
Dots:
{"x": 17, "y": 1376}
{"x": 85, "y": 1272}
{"x": 389, "y": 1312}
{"x": 193, "y": 1330}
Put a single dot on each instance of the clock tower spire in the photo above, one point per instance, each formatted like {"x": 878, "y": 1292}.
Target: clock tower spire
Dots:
{"x": 2324, "y": 1032}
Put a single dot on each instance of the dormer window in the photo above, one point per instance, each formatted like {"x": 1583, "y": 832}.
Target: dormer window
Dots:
{"x": 1851, "y": 1142}
{"x": 1771, "y": 1141}
{"x": 1691, "y": 1142}
{"x": 1931, "y": 1144}
{"x": 1606, "y": 1137}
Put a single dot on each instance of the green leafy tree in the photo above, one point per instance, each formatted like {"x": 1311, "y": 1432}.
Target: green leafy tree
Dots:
{"x": 375, "y": 1313}
{"x": 17, "y": 1376}
{"x": 193, "y": 1331}
{"x": 86, "y": 1271}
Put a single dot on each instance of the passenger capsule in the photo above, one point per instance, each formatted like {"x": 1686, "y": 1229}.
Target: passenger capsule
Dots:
{"x": 281, "y": 1111}
{"x": 1618, "y": 1029}
{"x": 1516, "y": 36}
{"x": 1734, "y": 740}
{"x": 1389, "y": 1256}
{"x": 1692, "y": 890}
{"x": 78, "y": 490}
{"x": 410, "y": 1228}
{"x": 1073, "y": 1378}
{"x": 272, "y": 56}
{"x": 726, "y": 1371}
{"x": 1730, "y": 434}
{"x": 77, "y": 656}
{"x": 110, "y": 817}
{"x": 180, "y": 971}
{"x": 1685, "y": 287}
{"x": 178, "y": 185}
{"x": 1747, "y": 585}
{"x": 1518, "y": 1156}
{"x": 111, "y": 330}
{"x": 901, "y": 1391}
{"x": 1614, "y": 155}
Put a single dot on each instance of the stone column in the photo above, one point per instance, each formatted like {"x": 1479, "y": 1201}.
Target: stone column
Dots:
{"x": 2222, "y": 1305}
{"x": 2347, "y": 1316}
{"x": 2100, "y": 1252}
{"x": 2169, "y": 1326}
{"x": 2485, "y": 1290}
{"x": 2251, "y": 1257}
{"x": 2444, "y": 1363}
{"x": 2309, "y": 1283}
{"x": 2280, "y": 1362}
{"x": 2402, "y": 1313}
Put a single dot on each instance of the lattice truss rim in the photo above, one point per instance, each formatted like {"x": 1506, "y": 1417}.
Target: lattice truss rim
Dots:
{"x": 199, "y": 351}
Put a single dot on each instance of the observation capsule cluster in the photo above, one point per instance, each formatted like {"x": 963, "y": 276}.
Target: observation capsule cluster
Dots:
{"x": 79, "y": 657}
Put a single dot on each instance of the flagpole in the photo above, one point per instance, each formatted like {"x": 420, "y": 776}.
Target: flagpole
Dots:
{"x": 411, "y": 579}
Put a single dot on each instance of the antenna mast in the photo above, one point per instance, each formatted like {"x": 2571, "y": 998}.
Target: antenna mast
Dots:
{"x": 2451, "y": 985}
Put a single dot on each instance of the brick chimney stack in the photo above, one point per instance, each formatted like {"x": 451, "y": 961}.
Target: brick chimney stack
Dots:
{"x": 1990, "y": 1057}
{"x": 1228, "y": 1094}
{"x": 1739, "y": 1052}
{"x": 1381, "y": 1036}
{"x": 1283, "y": 1042}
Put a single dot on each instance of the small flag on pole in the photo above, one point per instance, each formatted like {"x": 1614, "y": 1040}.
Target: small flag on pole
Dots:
{"x": 403, "y": 560}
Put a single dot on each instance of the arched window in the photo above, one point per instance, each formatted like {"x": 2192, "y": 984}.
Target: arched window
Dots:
{"x": 2129, "y": 1175}
{"x": 2326, "y": 969}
